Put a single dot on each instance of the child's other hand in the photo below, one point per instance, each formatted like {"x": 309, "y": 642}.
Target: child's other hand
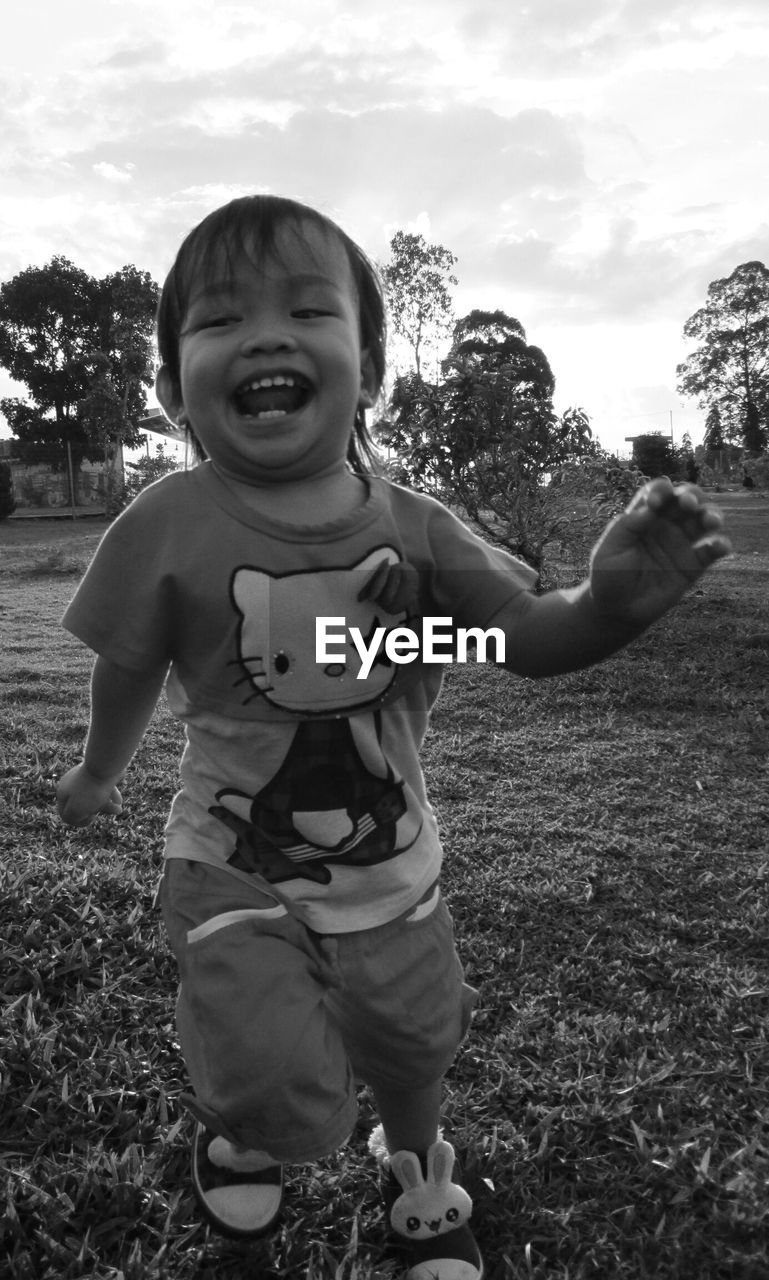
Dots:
{"x": 80, "y": 797}
{"x": 647, "y": 558}
{"x": 394, "y": 587}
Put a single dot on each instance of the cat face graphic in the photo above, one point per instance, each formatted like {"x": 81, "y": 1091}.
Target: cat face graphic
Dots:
{"x": 277, "y": 635}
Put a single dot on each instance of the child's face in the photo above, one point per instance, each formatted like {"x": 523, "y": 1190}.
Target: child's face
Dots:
{"x": 272, "y": 370}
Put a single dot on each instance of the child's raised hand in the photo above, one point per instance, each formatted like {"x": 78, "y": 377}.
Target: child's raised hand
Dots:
{"x": 80, "y": 797}
{"x": 650, "y": 555}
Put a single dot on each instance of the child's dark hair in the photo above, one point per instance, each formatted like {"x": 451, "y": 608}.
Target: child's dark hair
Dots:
{"x": 251, "y": 225}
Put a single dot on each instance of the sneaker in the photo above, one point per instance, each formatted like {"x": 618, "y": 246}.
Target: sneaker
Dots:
{"x": 430, "y": 1216}
{"x": 236, "y": 1201}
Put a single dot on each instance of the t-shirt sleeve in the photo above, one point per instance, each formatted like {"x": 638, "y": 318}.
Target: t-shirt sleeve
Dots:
{"x": 470, "y": 580}
{"x": 123, "y": 608}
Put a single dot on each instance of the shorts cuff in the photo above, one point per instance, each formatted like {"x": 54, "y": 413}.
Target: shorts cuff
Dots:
{"x": 302, "y": 1149}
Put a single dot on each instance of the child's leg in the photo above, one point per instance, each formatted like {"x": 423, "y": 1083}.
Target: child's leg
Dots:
{"x": 428, "y": 1208}
{"x": 409, "y": 1116}
{"x": 403, "y": 1009}
{"x": 268, "y": 1066}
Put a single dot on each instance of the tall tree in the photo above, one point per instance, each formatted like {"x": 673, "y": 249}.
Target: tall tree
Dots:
{"x": 489, "y": 340}
{"x": 122, "y": 366}
{"x": 418, "y": 280}
{"x": 713, "y": 439}
{"x": 486, "y": 436}
{"x": 730, "y": 367}
{"x": 46, "y": 335}
{"x": 82, "y": 348}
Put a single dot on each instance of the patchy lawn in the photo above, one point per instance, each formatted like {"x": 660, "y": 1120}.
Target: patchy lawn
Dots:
{"x": 607, "y": 838}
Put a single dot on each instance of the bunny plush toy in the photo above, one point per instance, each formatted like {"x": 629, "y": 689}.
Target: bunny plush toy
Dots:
{"x": 429, "y": 1207}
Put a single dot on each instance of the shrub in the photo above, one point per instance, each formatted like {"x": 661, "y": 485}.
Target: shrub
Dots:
{"x": 7, "y": 500}
{"x": 143, "y": 473}
{"x": 757, "y": 471}
{"x": 584, "y": 494}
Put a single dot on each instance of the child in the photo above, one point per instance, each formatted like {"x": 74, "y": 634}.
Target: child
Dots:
{"x": 301, "y": 890}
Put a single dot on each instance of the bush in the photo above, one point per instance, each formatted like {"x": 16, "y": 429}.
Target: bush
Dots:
{"x": 143, "y": 473}
{"x": 654, "y": 454}
{"x": 7, "y": 500}
{"x": 583, "y": 496}
{"x": 757, "y": 471}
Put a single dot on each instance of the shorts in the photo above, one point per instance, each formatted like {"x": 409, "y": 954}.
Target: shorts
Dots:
{"x": 277, "y": 1023}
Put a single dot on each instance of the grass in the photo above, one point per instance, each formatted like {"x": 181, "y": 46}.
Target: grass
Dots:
{"x": 608, "y": 869}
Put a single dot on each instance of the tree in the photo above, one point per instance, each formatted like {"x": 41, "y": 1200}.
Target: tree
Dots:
{"x": 122, "y": 366}
{"x": 46, "y": 334}
{"x": 729, "y": 369}
{"x": 687, "y": 463}
{"x": 418, "y": 280}
{"x": 82, "y": 348}
{"x": 486, "y": 437}
{"x": 713, "y": 439}
{"x": 654, "y": 455}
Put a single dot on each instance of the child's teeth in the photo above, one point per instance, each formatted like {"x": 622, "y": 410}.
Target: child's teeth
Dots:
{"x": 272, "y": 396}
{"x": 279, "y": 380}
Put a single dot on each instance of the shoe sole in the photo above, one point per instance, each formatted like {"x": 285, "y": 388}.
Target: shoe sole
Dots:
{"x": 240, "y": 1205}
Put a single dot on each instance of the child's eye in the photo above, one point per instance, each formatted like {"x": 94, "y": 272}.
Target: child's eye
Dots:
{"x": 311, "y": 313}
{"x": 217, "y": 322}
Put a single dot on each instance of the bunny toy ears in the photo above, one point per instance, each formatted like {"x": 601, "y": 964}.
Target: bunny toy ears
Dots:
{"x": 427, "y": 1206}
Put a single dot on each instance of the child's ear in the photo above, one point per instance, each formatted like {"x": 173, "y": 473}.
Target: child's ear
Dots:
{"x": 369, "y": 382}
{"x": 170, "y": 396}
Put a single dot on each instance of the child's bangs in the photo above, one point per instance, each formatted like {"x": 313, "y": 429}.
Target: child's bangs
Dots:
{"x": 245, "y": 231}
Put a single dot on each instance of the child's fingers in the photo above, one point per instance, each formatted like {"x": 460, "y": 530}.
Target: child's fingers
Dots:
{"x": 683, "y": 505}
{"x": 80, "y": 798}
{"x": 708, "y": 550}
{"x": 115, "y": 803}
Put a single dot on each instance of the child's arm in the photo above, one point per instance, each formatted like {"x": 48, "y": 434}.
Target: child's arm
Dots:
{"x": 642, "y": 564}
{"x": 122, "y": 703}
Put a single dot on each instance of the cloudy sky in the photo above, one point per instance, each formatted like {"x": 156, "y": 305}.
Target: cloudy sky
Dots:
{"x": 593, "y": 164}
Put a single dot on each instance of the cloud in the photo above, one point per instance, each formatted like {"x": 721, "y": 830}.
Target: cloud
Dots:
{"x": 565, "y": 39}
{"x": 111, "y": 173}
{"x": 438, "y": 161}
{"x": 627, "y": 277}
{"x": 133, "y": 56}
{"x": 582, "y": 158}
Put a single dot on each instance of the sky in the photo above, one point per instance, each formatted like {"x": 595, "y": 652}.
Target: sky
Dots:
{"x": 593, "y": 164}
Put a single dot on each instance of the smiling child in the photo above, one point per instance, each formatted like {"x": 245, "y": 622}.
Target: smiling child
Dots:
{"x": 301, "y": 889}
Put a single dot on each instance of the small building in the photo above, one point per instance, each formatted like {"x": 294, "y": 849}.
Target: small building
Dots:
{"x": 157, "y": 422}
{"x": 46, "y": 483}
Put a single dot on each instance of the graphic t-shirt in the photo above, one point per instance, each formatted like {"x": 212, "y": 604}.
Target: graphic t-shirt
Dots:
{"x": 297, "y": 775}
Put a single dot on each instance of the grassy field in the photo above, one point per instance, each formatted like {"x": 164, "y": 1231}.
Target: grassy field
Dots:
{"x": 607, "y": 839}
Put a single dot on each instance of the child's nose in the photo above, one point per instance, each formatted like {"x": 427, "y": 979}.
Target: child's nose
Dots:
{"x": 267, "y": 334}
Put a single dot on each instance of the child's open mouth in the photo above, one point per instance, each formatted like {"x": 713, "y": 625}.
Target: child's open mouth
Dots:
{"x": 272, "y": 396}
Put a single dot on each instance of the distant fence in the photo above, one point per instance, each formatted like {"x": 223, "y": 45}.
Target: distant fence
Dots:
{"x": 46, "y": 479}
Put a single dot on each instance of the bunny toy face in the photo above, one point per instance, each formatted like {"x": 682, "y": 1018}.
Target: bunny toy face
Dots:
{"x": 432, "y": 1206}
